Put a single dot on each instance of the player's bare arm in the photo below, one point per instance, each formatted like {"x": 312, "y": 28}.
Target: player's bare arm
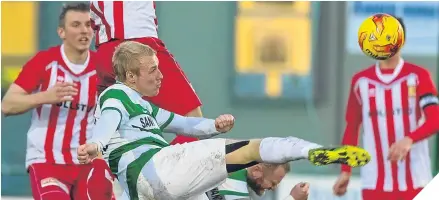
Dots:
{"x": 18, "y": 101}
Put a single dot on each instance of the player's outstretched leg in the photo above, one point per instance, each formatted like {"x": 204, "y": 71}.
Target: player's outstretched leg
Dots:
{"x": 280, "y": 150}
{"x": 180, "y": 172}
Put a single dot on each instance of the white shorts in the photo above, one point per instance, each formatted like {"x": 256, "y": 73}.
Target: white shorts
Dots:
{"x": 182, "y": 171}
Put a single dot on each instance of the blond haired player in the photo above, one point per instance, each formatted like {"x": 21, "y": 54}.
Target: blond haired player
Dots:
{"x": 119, "y": 21}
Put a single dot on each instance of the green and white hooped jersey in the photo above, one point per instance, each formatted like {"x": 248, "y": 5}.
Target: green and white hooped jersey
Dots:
{"x": 235, "y": 186}
{"x": 140, "y": 128}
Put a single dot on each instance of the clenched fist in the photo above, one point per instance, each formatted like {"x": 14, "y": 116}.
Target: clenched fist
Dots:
{"x": 300, "y": 191}
{"x": 341, "y": 185}
{"x": 224, "y": 123}
{"x": 87, "y": 152}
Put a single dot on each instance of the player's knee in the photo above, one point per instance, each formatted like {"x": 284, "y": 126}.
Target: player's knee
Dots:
{"x": 55, "y": 195}
{"x": 99, "y": 185}
{"x": 100, "y": 180}
{"x": 101, "y": 169}
{"x": 106, "y": 194}
{"x": 100, "y": 164}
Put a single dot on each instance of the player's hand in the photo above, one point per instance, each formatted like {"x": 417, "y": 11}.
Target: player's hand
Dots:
{"x": 224, "y": 123}
{"x": 60, "y": 92}
{"x": 399, "y": 150}
{"x": 300, "y": 191}
{"x": 87, "y": 152}
{"x": 341, "y": 185}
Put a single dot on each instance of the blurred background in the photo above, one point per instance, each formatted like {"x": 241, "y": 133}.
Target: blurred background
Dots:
{"x": 282, "y": 68}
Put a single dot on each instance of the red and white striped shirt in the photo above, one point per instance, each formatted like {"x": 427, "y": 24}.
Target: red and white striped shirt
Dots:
{"x": 57, "y": 130}
{"x": 123, "y": 20}
{"x": 391, "y": 107}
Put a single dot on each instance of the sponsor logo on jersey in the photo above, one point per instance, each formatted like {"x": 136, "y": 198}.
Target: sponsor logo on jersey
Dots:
{"x": 146, "y": 123}
{"x": 396, "y": 111}
{"x": 51, "y": 181}
{"x": 412, "y": 91}
{"x": 75, "y": 106}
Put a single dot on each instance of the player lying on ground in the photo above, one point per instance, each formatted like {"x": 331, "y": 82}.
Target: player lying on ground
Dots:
{"x": 243, "y": 184}
{"x": 147, "y": 167}
{"x": 240, "y": 185}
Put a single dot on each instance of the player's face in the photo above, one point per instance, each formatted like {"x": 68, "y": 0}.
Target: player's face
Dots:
{"x": 150, "y": 78}
{"x": 269, "y": 180}
{"x": 77, "y": 32}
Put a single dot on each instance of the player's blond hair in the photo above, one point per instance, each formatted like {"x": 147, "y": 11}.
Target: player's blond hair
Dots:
{"x": 126, "y": 58}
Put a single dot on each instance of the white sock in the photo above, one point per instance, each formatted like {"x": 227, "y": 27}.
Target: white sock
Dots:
{"x": 282, "y": 150}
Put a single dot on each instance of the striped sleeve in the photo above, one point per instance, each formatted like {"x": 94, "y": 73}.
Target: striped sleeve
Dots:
{"x": 427, "y": 91}
{"x": 115, "y": 105}
{"x": 170, "y": 122}
{"x": 163, "y": 117}
{"x": 109, "y": 115}
{"x": 115, "y": 100}
{"x": 235, "y": 186}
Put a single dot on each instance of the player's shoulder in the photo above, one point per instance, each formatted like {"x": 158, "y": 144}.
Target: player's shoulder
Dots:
{"x": 417, "y": 69}
{"x": 115, "y": 88}
{"x": 44, "y": 57}
{"x": 93, "y": 54}
{"x": 94, "y": 58}
{"x": 112, "y": 96}
{"x": 364, "y": 73}
{"x": 118, "y": 91}
{"x": 52, "y": 52}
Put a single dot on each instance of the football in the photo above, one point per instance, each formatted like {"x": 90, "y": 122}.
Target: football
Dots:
{"x": 380, "y": 36}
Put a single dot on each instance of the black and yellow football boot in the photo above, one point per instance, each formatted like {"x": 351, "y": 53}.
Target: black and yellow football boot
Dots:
{"x": 349, "y": 155}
